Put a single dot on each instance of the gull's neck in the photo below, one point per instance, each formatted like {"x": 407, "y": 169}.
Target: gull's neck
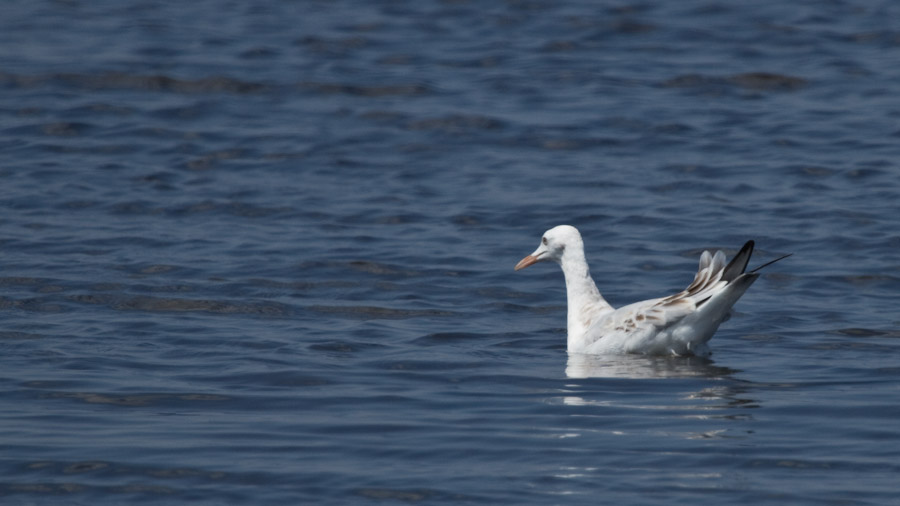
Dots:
{"x": 584, "y": 300}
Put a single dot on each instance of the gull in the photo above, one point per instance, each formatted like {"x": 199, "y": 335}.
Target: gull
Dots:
{"x": 679, "y": 324}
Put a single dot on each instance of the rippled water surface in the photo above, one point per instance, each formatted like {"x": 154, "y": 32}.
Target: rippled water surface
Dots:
{"x": 261, "y": 252}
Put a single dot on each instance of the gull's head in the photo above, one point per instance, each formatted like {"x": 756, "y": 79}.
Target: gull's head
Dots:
{"x": 553, "y": 246}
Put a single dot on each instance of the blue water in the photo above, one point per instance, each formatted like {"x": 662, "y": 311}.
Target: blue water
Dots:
{"x": 261, "y": 252}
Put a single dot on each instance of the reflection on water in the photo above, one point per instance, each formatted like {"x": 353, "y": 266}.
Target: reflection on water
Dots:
{"x": 696, "y": 403}
{"x": 642, "y": 367}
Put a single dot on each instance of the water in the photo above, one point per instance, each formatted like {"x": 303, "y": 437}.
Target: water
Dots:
{"x": 261, "y": 252}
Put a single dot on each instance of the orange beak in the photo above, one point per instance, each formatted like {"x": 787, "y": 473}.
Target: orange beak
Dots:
{"x": 525, "y": 262}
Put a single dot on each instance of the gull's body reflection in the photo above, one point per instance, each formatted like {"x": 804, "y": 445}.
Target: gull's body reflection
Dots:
{"x": 615, "y": 409}
{"x": 715, "y": 396}
{"x": 581, "y": 365}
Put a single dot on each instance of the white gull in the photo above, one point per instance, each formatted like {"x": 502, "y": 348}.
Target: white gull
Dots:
{"x": 679, "y": 324}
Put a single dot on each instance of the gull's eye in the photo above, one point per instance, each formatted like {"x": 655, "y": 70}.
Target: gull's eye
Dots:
{"x": 544, "y": 240}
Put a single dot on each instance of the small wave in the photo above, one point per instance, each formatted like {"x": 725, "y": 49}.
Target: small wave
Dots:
{"x": 160, "y": 304}
{"x": 863, "y": 332}
{"x": 367, "y": 91}
{"x": 380, "y": 313}
{"x": 761, "y": 81}
{"x": 134, "y": 400}
{"x": 120, "y": 80}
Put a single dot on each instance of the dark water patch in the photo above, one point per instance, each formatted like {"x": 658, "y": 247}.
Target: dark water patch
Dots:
{"x": 123, "y": 81}
{"x": 77, "y": 205}
{"x": 425, "y": 367}
{"x": 395, "y": 219}
{"x": 673, "y": 129}
{"x": 884, "y": 38}
{"x": 632, "y": 27}
{"x": 88, "y": 472}
{"x": 333, "y": 46}
{"x": 364, "y": 266}
{"x": 137, "y": 400}
{"x": 379, "y": 313}
{"x": 761, "y": 337}
{"x": 159, "y": 304}
{"x": 361, "y": 427}
{"x": 240, "y": 209}
{"x": 194, "y": 111}
{"x": 370, "y": 91}
{"x": 413, "y": 495}
{"x": 692, "y": 187}
{"x": 104, "y": 109}
{"x": 36, "y": 305}
{"x": 118, "y": 468}
{"x": 161, "y": 180}
{"x": 457, "y": 123}
{"x": 50, "y": 384}
{"x": 866, "y": 346}
{"x": 767, "y": 81}
{"x": 861, "y": 280}
{"x": 511, "y": 307}
{"x": 863, "y": 332}
{"x": 693, "y": 171}
{"x": 560, "y": 46}
{"x": 13, "y": 335}
{"x": 107, "y": 287}
{"x": 384, "y": 117}
{"x": 346, "y": 347}
{"x": 38, "y": 283}
{"x": 467, "y": 220}
{"x": 822, "y": 463}
{"x": 84, "y": 467}
{"x": 449, "y": 337}
{"x": 54, "y": 129}
{"x": 151, "y": 269}
{"x": 864, "y": 173}
{"x": 758, "y": 81}
{"x": 567, "y": 143}
{"x": 204, "y": 207}
{"x": 210, "y": 160}
{"x": 499, "y": 345}
{"x": 260, "y": 53}
{"x": 644, "y": 219}
{"x": 135, "y": 208}
{"x": 303, "y": 286}
{"x": 52, "y": 489}
{"x": 503, "y": 293}
{"x": 812, "y": 171}
{"x": 164, "y": 288}
{"x": 272, "y": 379}
{"x": 146, "y": 270}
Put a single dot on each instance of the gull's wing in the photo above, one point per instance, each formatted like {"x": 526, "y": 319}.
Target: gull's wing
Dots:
{"x": 712, "y": 277}
{"x": 698, "y": 309}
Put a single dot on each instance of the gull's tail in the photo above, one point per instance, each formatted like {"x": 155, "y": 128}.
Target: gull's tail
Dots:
{"x": 738, "y": 264}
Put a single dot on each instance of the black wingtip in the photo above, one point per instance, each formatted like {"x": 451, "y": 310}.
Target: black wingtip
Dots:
{"x": 738, "y": 264}
{"x": 771, "y": 262}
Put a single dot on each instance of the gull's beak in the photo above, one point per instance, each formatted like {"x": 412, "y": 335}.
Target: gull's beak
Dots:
{"x": 525, "y": 262}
